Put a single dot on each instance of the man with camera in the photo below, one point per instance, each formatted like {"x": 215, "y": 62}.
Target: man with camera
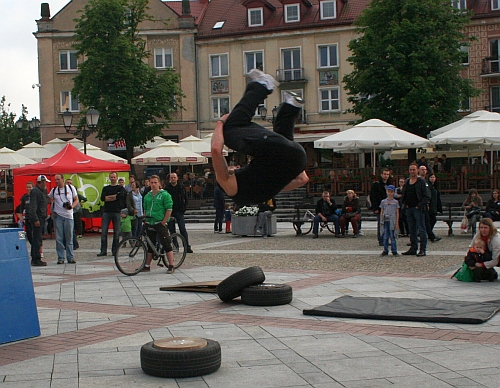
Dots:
{"x": 64, "y": 198}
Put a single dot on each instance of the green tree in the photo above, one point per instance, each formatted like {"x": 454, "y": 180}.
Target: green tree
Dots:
{"x": 11, "y": 136}
{"x": 407, "y": 62}
{"x": 134, "y": 100}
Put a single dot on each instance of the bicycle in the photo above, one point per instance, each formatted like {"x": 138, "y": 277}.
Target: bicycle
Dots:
{"x": 304, "y": 224}
{"x": 131, "y": 254}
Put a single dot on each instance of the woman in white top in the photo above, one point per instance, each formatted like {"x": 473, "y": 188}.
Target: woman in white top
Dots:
{"x": 489, "y": 234}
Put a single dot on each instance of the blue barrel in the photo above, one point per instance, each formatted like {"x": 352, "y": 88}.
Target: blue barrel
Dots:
{"x": 18, "y": 313}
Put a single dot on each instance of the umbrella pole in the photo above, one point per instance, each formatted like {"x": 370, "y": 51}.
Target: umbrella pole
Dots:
{"x": 373, "y": 162}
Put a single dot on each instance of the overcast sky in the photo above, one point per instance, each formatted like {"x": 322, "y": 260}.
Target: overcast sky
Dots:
{"x": 18, "y": 52}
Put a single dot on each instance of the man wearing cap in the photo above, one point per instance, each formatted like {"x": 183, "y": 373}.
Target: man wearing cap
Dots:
{"x": 37, "y": 211}
{"x": 64, "y": 198}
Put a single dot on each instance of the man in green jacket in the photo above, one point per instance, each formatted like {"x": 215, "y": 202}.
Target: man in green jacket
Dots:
{"x": 157, "y": 210}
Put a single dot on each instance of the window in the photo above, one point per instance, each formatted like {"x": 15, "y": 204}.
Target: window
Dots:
{"x": 69, "y": 101}
{"x": 495, "y": 4}
{"x": 255, "y": 18}
{"x": 254, "y": 60}
{"x": 464, "y": 105}
{"x": 459, "y": 4}
{"x": 292, "y": 69}
{"x": 328, "y": 9}
{"x": 219, "y": 65}
{"x": 494, "y": 53}
{"x": 68, "y": 60}
{"x": 465, "y": 52}
{"x": 163, "y": 58}
{"x": 328, "y": 56}
{"x": 329, "y": 99}
{"x": 292, "y": 13}
{"x": 220, "y": 106}
{"x": 495, "y": 98}
{"x": 218, "y": 25}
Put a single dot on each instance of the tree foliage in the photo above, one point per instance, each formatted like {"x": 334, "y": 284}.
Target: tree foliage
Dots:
{"x": 134, "y": 100}
{"x": 11, "y": 136}
{"x": 407, "y": 63}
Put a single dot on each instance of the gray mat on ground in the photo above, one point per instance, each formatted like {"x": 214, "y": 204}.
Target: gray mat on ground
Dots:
{"x": 408, "y": 309}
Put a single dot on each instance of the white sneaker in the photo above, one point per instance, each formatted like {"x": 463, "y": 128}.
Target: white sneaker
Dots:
{"x": 360, "y": 233}
{"x": 294, "y": 99}
{"x": 264, "y": 79}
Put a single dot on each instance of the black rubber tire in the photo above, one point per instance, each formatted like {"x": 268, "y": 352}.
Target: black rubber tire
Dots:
{"x": 267, "y": 294}
{"x": 178, "y": 363}
{"x": 231, "y": 287}
{"x": 130, "y": 256}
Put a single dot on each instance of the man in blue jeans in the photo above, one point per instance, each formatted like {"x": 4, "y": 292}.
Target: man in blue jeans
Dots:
{"x": 416, "y": 197}
{"x": 114, "y": 197}
{"x": 326, "y": 212}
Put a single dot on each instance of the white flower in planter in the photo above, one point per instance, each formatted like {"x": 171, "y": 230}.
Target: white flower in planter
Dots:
{"x": 247, "y": 211}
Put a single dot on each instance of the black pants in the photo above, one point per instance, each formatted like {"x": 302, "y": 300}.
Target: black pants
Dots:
{"x": 179, "y": 219}
{"x": 159, "y": 231}
{"x": 37, "y": 241}
{"x": 219, "y": 216}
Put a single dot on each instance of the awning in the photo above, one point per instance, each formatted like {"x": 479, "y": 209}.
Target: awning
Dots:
{"x": 309, "y": 137}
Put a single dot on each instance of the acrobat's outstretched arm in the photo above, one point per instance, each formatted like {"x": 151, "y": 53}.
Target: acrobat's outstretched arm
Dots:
{"x": 299, "y": 181}
{"x": 224, "y": 176}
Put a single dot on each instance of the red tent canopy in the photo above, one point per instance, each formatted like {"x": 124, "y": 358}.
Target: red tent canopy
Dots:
{"x": 69, "y": 160}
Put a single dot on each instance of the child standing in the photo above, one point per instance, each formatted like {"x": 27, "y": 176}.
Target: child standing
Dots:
{"x": 125, "y": 224}
{"x": 227, "y": 217}
{"x": 389, "y": 221}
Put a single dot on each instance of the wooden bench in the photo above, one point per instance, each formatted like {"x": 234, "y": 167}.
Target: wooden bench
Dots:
{"x": 449, "y": 219}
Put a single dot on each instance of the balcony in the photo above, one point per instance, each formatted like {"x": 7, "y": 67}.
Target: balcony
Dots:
{"x": 490, "y": 67}
{"x": 290, "y": 75}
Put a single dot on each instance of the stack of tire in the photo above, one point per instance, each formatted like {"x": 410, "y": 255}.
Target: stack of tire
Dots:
{"x": 249, "y": 284}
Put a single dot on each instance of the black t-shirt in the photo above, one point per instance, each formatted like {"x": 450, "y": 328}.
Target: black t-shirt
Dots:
{"x": 120, "y": 202}
{"x": 411, "y": 199}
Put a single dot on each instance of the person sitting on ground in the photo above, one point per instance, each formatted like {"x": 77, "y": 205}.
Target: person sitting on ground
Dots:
{"x": 472, "y": 205}
{"x": 326, "y": 212}
{"x": 478, "y": 253}
{"x": 493, "y": 206}
{"x": 488, "y": 233}
{"x": 278, "y": 163}
{"x": 350, "y": 213}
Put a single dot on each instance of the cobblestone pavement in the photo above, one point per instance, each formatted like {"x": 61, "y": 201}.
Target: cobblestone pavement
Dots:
{"x": 94, "y": 320}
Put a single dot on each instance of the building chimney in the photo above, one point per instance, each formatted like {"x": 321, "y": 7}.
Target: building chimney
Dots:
{"x": 45, "y": 12}
{"x": 186, "y": 8}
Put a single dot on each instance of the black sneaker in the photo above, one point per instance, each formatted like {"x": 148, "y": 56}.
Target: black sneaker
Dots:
{"x": 384, "y": 253}
{"x": 189, "y": 250}
{"x": 38, "y": 263}
{"x": 409, "y": 253}
{"x": 315, "y": 236}
{"x": 100, "y": 254}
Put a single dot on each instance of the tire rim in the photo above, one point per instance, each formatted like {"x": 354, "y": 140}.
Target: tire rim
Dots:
{"x": 180, "y": 343}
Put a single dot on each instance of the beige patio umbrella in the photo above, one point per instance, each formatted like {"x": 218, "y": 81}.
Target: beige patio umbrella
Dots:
{"x": 98, "y": 153}
{"x": 55, "y": 145}
{"x": 169, "y": 153}
{"x": 199, "y": 146}
{"x": 9, "y": 159}
{"x": 153, "y": 143}
{"x": 35, "y": 152}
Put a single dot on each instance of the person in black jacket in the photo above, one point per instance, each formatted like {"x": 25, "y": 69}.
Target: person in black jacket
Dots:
{"x": 219, "y": 204}
{"x": 326, "y": 212}
{"x": 37, "y": 211}
{"x": 493, "y": 206}
{"x": 377, "y": 194}
{"x": 179, "y": 197}
{"x": 416, "y": 197}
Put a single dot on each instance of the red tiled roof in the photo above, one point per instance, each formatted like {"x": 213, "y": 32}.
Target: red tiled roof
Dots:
{"x": 234, "y": 13}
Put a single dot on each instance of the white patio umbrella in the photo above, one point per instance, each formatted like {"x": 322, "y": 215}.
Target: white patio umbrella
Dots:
{"x": 75, "y": 142}
{"x": 98, "y": 153}
{"x": 35, "y": 152}
{"x": 482, "y": 131}
{"x": 153, "y": 143}
{"x": 458, "y": 123}
{"x": 55, "y": 145}
{"x": 169, "y": 153}
{"x": 9, "y": 159}
{"x": 195, "y": 144}
{"x": 371, "y": 135}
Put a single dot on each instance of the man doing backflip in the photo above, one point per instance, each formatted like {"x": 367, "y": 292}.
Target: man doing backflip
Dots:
{"x": 278, "y": 162}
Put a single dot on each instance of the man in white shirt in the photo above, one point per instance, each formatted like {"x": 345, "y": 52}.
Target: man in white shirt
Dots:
{"x": 64, "y": 198}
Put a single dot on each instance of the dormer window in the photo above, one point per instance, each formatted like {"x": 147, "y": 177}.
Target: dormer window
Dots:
{"x": 328, "y": 9}
{"x": 495, "y": 4}
{"x": 292, "y": 13}
{"x": 255, "y": 17}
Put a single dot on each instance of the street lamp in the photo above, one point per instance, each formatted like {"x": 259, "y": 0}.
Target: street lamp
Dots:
{"x": 263, "y": 113}
{"x": 33, "y": 124}
{"x": 91, "y": 117}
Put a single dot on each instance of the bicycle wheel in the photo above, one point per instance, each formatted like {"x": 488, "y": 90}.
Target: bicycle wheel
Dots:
{"x": 130, "y": 256}
{"x": 179, "y": 247}
{"x": 305, "y": 227}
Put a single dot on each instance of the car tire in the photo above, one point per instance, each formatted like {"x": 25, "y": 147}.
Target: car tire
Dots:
{"x": 267, "y": 294}
{"x": 175, "y": 360}
{"x": 231, "y": 287}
